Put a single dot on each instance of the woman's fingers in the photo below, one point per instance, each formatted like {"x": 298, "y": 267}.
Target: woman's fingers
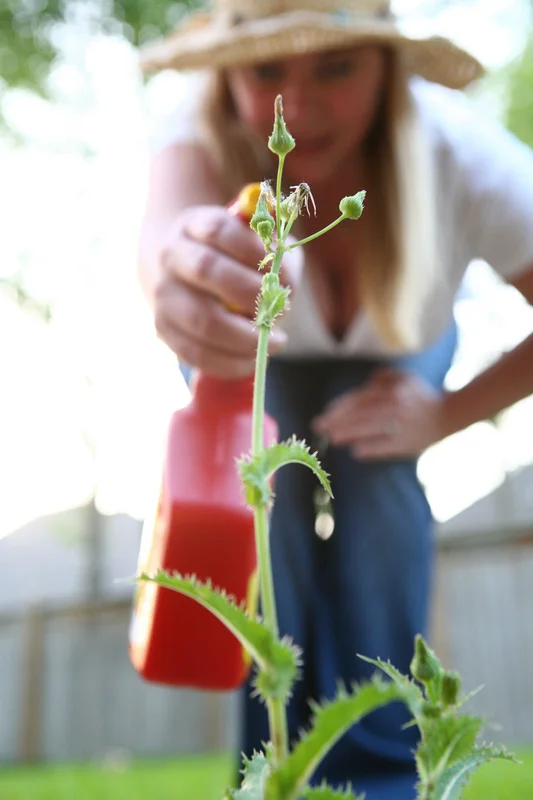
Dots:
{"x": 208, "y": 270}
{"x": 208, "y": 289}
{"x": 218, "y": 228}
{"x": 198, "y": 328}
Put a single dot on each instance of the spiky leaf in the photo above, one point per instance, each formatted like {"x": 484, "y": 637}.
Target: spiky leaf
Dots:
{"x": 272, "y": 655}
{"x": 411, "y": 694}
{"x": 277, "y": 684}
{"x": 466, "y": 697}
{"x": 295, "y": 452}
{"x": 272, "y": 301}
{"x": 330, "y": 722}
{"x": 266, "y": 260}
{"x": 454, "y": 779}
{"x": 255, "y": 772}
{"x": 325, "y": 792}
{"x": 255, "y": 471}
{"x": 255, "y": 481}
{"x": 445, "y": 740}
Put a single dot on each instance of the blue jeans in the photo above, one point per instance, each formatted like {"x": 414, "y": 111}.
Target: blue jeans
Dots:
{"x": 365, "y": 590}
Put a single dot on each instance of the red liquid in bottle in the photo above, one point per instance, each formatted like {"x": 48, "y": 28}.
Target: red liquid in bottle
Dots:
{"x": 202, "y": 527}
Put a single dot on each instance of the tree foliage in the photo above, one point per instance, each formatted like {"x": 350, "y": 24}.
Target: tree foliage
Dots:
{"x": 28, "y": 30}
{"x": 29, "y": 42}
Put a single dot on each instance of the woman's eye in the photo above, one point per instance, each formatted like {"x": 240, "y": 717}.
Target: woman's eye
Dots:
{"x": 269, "y": 72}
{"x": 337, "y": 68}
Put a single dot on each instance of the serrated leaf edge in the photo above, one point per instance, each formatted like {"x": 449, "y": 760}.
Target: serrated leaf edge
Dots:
{"x": 255, "y": 637}
{"x": 325, "y": 792}
{"x": 295, "y": 451}
{"x": 254, "y": 771}
{"x": 448, "y": 784}
{"x": 295, "y": 773}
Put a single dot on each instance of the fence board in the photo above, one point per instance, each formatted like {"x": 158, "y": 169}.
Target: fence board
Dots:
{"x": 488, "y": 597}
{"x": 96, "y": 703}
{"x": 10, "y": 688}
{"x": 90, "y": 703}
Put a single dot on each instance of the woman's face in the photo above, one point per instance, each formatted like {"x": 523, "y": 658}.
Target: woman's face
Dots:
{"x": 330, "y": 101}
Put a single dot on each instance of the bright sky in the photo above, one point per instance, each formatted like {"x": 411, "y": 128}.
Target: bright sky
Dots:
{"x": 97, "y": 374}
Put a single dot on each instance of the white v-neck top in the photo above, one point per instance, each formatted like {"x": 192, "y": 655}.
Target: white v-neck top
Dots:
{"x": 308, "y": 334}
{"x": 484, "y": 184}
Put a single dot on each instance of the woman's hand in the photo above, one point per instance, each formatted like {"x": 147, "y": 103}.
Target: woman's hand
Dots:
{"x": 394, "y": 415}
{"x": 207, "y": 266}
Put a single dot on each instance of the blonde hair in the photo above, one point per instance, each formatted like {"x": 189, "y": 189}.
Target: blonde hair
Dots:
{"x": 237, "y": 158}
{"x": 397, "y": 263}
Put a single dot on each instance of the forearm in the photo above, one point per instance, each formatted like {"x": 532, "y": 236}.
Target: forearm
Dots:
{"x": 180, "y": 177}
{"x": 504, "y": 383}
{"x": 153, "y": 232}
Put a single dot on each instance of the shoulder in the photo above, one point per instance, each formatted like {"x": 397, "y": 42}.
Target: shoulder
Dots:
{"x": 465, "y": 137}
{"x": 484, "y": 181}
{"x": 441, "y": 107}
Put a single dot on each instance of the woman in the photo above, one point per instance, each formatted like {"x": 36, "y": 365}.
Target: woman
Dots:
{"x": 363, "y": 353}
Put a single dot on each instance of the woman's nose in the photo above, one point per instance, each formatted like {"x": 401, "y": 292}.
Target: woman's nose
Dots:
{"x": 300, "y": 104}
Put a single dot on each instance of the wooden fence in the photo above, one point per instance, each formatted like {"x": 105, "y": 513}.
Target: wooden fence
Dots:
{"x": 68, "y": 691}
{"x": 483, "y": 625}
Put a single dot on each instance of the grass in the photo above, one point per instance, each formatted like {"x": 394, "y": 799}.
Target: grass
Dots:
{"x": 204, "y": 778}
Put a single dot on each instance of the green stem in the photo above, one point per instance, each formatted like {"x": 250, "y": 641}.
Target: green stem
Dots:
{"x": 277, "y": 718}
{"x": 276, "y": 264}
{"x": 287, "y": 228}
{"x": 263, "y": 556}
{"x": 259, "y": 392}
{"x": 279, "y": 732}
{"x": 278, "y": 197}
{"x": 317, "y": 234}
{"x": 276, "y": 708}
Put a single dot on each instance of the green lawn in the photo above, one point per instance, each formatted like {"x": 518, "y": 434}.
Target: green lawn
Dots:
{"x": 204, "y": 779}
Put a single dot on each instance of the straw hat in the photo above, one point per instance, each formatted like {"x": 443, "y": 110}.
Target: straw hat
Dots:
{"x": 251, "y": 31}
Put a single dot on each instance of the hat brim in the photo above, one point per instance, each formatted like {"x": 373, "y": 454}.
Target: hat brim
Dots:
{"x": 206, "y": 43}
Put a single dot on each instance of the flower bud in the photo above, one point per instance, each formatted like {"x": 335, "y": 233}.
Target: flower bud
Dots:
{"x": 451, "y": 687}
{"x": 287, "y": 207}
{"x": 430, "y": 710}
{"x": 324, "y": 525}
{"x": 262, "y": 221}
{"x": 352, "y": 207}
{"x": 264, "y": 231}
{"x": 280, "y": 142}
{"x": 425, "y": 666}
{"x": 294, "y": 204}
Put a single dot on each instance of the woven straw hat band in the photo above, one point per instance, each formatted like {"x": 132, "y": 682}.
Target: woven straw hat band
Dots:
{"x": 265, "y": 8}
